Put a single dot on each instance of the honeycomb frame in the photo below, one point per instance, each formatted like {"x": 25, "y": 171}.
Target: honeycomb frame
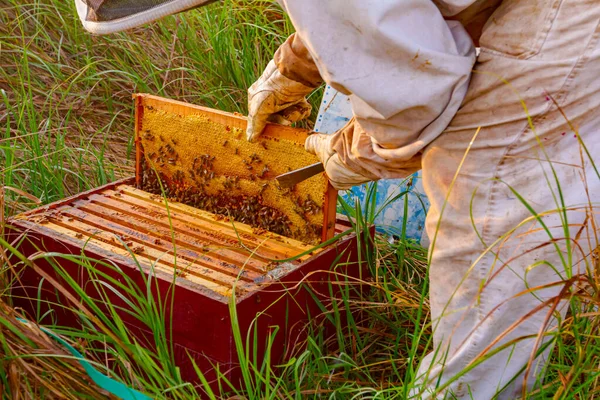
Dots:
{"x": 200, "y": 157}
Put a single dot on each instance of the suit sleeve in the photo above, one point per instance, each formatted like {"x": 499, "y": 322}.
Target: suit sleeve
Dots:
{"x": 474, "y": 17}
{"x": 404, "y": 66}
{"x": 295, "y": 62}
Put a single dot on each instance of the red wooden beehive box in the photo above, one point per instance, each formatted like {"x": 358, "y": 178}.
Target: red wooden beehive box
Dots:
{"x": 191, "y": 255}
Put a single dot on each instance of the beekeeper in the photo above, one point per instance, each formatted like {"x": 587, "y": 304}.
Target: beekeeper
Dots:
{"x": 505, "y": 141}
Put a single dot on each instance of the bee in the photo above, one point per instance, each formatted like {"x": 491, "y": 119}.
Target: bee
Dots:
{"x": 264, "y": 172}
{"x": 138, "y": 249}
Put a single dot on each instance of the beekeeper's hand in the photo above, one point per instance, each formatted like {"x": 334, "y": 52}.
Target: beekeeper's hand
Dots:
{"x": 275, "y": 98}
{"x": 340, "y": 176}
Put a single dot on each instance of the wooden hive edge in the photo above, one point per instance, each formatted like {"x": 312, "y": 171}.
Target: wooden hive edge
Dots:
{"x": 26, "y": 223}
{"x": 26, "y": 227}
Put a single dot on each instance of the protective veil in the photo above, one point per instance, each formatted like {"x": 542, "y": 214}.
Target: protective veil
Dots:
{"x": 109, "y": 16}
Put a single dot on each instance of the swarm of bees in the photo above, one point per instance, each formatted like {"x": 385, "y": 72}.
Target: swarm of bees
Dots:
{"x": 238, "y": 185}
{"x": 166, "y": 153}
{"x": 245, "y": 209}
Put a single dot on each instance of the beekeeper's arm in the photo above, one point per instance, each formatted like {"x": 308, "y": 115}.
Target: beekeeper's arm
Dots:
{"x": 280, "y": 93}
{"x": 405, "y": 68}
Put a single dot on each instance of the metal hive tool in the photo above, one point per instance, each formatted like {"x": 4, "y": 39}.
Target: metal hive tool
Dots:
{"x": 200, "y": 157}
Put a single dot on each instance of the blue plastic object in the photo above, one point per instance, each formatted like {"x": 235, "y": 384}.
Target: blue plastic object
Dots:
{"x": 334, "y": 113}
{"x": 104, "y": 382}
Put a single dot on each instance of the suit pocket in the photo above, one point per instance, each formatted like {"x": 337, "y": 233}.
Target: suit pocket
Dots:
{"x": 519, "y": 28}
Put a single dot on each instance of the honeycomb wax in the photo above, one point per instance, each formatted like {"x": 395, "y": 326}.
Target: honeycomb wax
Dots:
{"x": 210, "y": 165}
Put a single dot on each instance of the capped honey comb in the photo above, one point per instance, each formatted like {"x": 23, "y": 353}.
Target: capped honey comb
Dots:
{"x": 200, "y": 157}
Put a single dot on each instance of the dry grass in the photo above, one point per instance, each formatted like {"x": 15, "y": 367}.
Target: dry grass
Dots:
{"x": 36, "y": 366}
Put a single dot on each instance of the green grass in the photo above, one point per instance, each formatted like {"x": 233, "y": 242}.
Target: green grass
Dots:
{"x": 66, "y": 125}
{"x": 65, "y": 104}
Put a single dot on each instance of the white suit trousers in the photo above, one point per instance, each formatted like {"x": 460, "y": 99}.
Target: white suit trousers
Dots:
{"x": 515, "y": 191}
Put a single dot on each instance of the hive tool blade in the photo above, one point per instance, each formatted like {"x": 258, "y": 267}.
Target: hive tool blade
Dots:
{"x": 292, "y": 178}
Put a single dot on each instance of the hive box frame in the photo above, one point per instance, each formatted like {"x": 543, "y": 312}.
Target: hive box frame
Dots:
{"x": 282, "y": 298}
{"x": 201, "y": 327}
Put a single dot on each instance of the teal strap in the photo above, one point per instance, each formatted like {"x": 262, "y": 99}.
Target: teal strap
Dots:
{"x": 110, "y": 385}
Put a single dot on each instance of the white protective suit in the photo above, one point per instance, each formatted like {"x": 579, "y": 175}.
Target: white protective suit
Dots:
{"x": 407, "y": 71}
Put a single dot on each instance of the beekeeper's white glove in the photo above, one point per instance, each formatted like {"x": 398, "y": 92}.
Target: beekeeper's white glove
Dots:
{"x": 340, "y": 176}
{"x": 275, "y": 98}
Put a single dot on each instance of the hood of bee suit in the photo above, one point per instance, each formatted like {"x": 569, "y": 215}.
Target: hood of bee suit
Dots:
{"x": 109, "y": 16}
